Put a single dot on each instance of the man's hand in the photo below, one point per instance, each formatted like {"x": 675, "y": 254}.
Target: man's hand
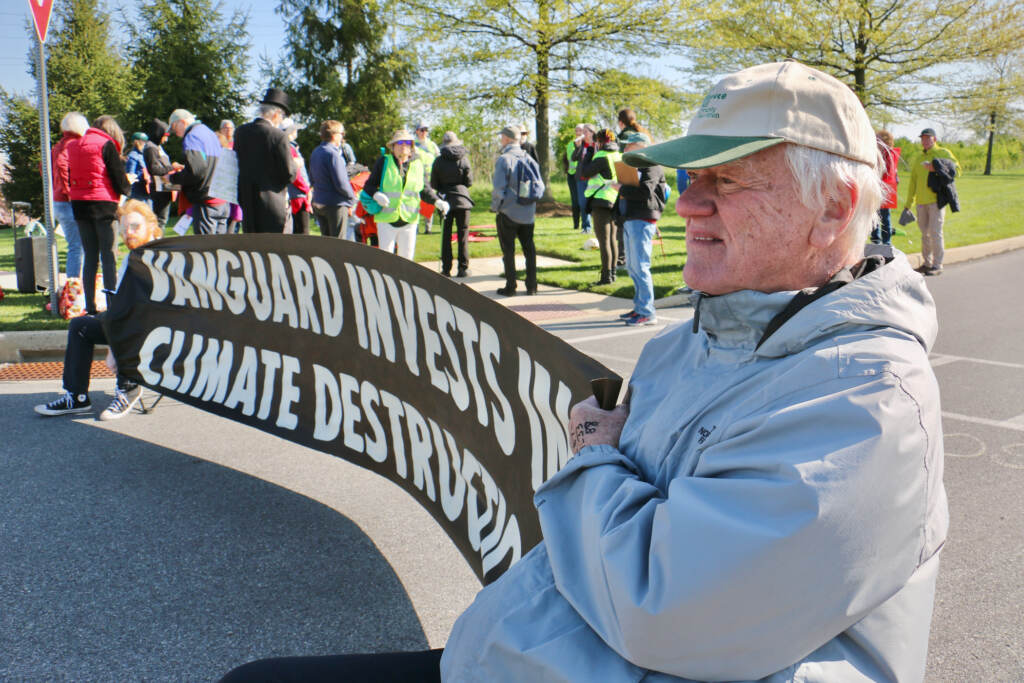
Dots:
{"x": 591, "y": 426}
{"x": 381, "y": 199}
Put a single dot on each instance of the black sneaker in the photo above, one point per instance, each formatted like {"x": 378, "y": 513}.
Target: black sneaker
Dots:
{"x": 122, "y": 404}
{"x": 461, "y": 273}
{"x": 67, "y": 404}
{"x": 507, "y": 291}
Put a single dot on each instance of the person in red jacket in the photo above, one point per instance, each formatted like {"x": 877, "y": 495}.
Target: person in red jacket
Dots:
{"x": 882, "y": 233}
{"x": 72, "y": 126}
{"x": 97, "y": 181}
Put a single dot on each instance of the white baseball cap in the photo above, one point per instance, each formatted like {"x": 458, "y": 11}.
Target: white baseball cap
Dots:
{"x": 766, "y": 105}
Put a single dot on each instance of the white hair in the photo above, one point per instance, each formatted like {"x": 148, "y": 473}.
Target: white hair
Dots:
{"x": 823, "y": 176}
{"x": 266, "y": 110}
{"x": 73, "y": 122}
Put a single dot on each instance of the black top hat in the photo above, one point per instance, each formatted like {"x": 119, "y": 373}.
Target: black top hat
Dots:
{"x": 278, "y": 97}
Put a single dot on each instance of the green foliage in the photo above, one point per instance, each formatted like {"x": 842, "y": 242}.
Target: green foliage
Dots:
{"x": 337, "y": 65}
{"x": 186, "y": 54}
{"x": 659, "y": 106}
{"x": 19, "y": 142}
{"x": 529, "y": 54}
{"x": 886, "y": 50}
{"x": 476, "y": 128}
{"x": 84, "y": 71}
{"x": 1007, "y": 153}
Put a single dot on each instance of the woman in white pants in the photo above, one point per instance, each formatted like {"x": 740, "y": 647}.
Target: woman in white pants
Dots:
{"x": 397, "y": 183}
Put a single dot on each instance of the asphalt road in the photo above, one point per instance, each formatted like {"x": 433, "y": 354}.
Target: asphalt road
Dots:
{"x": 173, "y": 546}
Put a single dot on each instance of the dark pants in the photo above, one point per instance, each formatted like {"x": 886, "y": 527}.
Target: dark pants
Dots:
{"x": 161, "y": 207}
{"x": 84, "y": 333}
{"x": 460, "y": 217}
{"x": 390, "y": 667}
{"x": 882, "y": 234}
{"x": 300, "y": 222}
{"x": 333, "y": 220}
{"x": 210, "y": 219}
{"x": 604, "y": 230}
{"x": 508, "y": 231}
{"x": 574, "y": 199}
{"x": 98, "y": 246}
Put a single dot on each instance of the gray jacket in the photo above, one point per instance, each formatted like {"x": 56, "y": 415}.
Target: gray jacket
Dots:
{"x": 503, "y": 196}
{"x": 772, "y": 512}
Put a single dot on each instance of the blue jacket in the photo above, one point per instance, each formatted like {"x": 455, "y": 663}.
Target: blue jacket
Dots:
{"x": 201, "y": 148}
{"x": 329, "y": 176}
{"x": 772, "y": 512}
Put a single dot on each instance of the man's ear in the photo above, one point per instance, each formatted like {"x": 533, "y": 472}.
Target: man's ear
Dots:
{"x": 835, "y": 219}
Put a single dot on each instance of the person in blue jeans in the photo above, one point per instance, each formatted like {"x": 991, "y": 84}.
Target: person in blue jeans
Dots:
{"x": 72, "y": 127}
{"x": 641, "y": 207}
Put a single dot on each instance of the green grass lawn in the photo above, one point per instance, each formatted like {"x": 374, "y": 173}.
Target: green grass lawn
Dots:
{"x": 993, "y": 208}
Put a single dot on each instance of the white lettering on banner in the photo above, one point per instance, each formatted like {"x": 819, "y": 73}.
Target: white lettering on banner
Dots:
{"x": 257, "y": 292}
{"x": 217, "y": 380}
{"x": 304, "y": 294}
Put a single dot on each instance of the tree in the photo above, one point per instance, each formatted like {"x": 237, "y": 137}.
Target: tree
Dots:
{"x": 187, "y": 55}
{"x": 19, "y": 142}
{"x": 993, "y": 100}
{"x": 84, "y": 73}
{"x": 520, "y": 55}
{"x": 337, "y": 66}
{"x": 84, "y": 70}
{"x": 895, "y": 54}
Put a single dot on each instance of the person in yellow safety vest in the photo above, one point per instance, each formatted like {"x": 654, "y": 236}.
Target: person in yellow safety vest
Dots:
{"x": 398, "y": 182}
{"x": 427, "y": 150}
{"x": 930, "y": 216}
{"x": 601, "y": 196}
{"x": 569, "y": 166}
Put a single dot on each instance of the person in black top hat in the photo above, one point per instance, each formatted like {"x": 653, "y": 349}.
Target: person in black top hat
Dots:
{"x": 265, "y": 167}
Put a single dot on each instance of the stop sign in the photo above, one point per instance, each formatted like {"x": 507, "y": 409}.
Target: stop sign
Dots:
{"x": 41, "y": 16}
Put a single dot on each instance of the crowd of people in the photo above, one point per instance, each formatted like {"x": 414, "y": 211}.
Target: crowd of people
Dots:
{"x": 382, "y": 204}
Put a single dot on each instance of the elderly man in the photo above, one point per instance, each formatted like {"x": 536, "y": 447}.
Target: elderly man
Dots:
{"x": 265, "y": 167}
{"x": 202, "y": 150}
{"x": 768, "y": 503}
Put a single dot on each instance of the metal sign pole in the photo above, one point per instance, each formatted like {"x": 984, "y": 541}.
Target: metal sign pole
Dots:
{"x": 44, "y": 137}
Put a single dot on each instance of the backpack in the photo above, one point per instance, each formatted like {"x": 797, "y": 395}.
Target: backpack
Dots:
{"x": 528, "y": 186}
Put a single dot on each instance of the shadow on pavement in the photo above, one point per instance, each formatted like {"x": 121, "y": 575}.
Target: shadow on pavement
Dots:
{"x": 124, "y": 560}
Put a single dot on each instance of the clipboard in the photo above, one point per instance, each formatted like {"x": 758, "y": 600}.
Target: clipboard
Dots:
{"x": 627, "y": 175}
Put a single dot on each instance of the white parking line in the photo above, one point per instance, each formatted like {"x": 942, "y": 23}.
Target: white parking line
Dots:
{"x": 938, "y": 359}
{"x": 1004, "y": 424}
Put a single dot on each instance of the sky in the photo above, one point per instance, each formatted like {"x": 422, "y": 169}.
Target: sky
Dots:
{"x": 265, "y": 28}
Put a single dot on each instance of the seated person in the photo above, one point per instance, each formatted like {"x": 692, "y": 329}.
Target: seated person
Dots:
{"x": 137, "y": 225}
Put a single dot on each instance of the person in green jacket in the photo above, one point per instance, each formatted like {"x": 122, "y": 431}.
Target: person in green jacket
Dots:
{"x": 929, "y": 216}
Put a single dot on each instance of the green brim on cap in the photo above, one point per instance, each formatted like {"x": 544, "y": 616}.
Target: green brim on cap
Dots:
{"x": 698, "y": 151}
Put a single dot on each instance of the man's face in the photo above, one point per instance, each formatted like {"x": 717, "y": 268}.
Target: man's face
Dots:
{"x": 421, "y": 133}
{"x": 136, "y": 231}
{"x": 505, "y": 140}
{"x": 927, "y": 141}
{"x": 178, "y": 128}
{"x": 746, "y": 227}
{"x": 228, "y": 131}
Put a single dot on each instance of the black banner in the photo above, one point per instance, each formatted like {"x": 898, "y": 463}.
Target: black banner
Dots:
{"x": 367, "y": 356}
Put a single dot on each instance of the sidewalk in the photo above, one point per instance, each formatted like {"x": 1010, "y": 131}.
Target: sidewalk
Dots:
{"x": 485, "y": 276}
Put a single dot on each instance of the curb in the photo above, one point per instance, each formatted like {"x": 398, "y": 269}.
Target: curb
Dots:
{"x": 18, "y": 347}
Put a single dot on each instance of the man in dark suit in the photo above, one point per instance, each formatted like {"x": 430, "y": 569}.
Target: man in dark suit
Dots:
{"x": 265, "y": 167}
